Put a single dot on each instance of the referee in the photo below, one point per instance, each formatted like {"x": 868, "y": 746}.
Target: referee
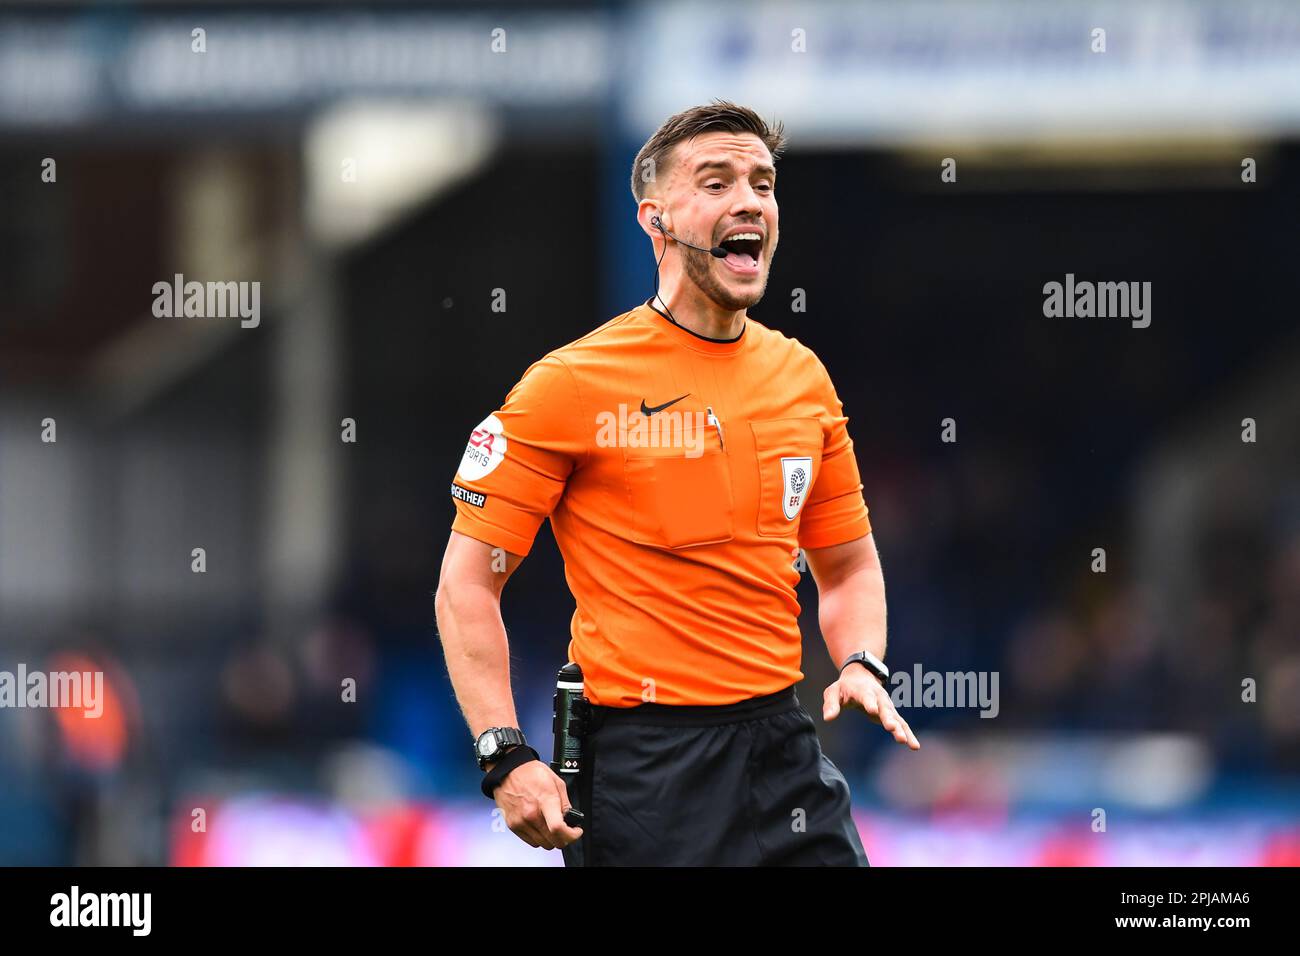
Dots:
{"x": 684, "y": 454}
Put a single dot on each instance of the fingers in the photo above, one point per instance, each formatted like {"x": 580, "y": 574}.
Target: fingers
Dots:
{"x": 562, "y": 789}
{"x": 837, "y": 696}
{"x": 534, "y": 805}
{"x": 558, "y": 833}
{"x": 524, "y": 828}
{"x": 831, "y": 702}
{"x": 871, "y": 703}
{"x": 893, "y": 722}
{"x": 523, "y": 810}
{"x": 521, "y": 829}
{"x": 534, "y": 826}
{"x": 877, "y": 704}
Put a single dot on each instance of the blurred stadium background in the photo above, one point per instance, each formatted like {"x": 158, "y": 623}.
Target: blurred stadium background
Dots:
{"x": 476, "y": 169}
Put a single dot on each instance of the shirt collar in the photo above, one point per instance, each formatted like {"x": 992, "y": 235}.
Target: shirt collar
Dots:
{"x": 693, "y": 340}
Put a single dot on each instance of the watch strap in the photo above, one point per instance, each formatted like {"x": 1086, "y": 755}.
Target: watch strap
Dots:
{"x": 871, "y": 663}
{"x": 509, "y": 736}
{"x": 493, "y": 778}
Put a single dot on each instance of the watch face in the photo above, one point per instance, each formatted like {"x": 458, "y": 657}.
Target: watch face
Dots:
{"x": 487, "y": 744}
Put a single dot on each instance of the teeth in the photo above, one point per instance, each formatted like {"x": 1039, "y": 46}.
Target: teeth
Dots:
{"x": 744, "y": 235}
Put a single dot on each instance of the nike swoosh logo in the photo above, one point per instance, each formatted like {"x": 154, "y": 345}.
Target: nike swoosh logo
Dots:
{"x": 647, "y": 411}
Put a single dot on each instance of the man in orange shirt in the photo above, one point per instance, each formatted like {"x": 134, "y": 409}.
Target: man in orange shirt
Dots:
{"x": 684, "y": 454}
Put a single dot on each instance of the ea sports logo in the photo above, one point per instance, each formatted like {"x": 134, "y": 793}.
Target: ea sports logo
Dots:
{"x": 485, "y": 449}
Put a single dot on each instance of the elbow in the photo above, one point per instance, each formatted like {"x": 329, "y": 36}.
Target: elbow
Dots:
{"x": 457, "y": 600}
{"x": 444, "y": 603}
{"x": 440, "y": 603}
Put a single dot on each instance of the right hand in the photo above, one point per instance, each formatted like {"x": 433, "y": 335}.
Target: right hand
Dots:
{"x": 533, "y": 799}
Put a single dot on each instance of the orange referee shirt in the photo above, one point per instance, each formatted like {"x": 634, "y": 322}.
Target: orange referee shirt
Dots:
{"x": 681, "y": 475}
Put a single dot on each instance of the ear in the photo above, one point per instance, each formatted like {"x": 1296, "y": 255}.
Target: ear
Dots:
{"x": 649, "y": 216}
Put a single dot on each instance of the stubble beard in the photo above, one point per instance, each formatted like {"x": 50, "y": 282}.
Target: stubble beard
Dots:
{"x": 698, "y": 271}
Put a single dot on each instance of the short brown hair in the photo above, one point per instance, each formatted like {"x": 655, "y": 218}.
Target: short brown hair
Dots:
{"x": 720, "y": 116}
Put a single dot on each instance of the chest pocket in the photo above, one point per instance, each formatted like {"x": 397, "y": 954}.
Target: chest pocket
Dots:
{"x": 679, "y": 501}
{"x": 789, "y": 453}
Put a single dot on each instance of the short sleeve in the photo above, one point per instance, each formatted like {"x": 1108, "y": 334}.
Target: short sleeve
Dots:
{"x": 518, "y": 459}
{"x": 835, "y": 511}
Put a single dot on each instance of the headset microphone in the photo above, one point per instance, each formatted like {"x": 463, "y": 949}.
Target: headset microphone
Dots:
{"x": 717, "y": 251}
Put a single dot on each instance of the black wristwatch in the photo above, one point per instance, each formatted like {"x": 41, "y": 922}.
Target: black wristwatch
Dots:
{"x": 494, "y": 742}
{"x": 872, "y": 663}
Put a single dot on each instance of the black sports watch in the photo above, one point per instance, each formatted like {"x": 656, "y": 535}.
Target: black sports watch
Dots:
{"x": 494, "y": 742}
{"x": 872, "y": 663}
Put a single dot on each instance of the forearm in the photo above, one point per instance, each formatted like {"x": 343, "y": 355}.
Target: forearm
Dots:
{"x": 478, "y": 655}
{"x": 852, "y": 614}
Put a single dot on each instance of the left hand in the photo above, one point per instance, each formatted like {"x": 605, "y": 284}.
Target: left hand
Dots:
{"x": 858, "y": 689}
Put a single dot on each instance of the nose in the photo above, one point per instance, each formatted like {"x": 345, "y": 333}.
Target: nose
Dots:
{"x": 747, "y": 202}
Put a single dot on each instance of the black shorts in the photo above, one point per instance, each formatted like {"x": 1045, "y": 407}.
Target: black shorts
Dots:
{"x": 742, "y": 784}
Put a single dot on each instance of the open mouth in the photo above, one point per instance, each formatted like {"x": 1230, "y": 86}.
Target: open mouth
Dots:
{"x": 743, "y": 251}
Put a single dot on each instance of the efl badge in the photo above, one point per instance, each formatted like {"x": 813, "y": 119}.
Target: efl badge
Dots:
{"x": 484, "y": 451}
{"x": 796, "y": 475}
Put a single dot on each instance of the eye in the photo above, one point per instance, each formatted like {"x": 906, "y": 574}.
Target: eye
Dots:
{"x": 765, "y": 187}
{"x": 711, "y": 185}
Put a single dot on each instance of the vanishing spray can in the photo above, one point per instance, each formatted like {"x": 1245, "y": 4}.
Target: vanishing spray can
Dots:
{"x": 568, "y": 720}
{"x": 569, "y": 724}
